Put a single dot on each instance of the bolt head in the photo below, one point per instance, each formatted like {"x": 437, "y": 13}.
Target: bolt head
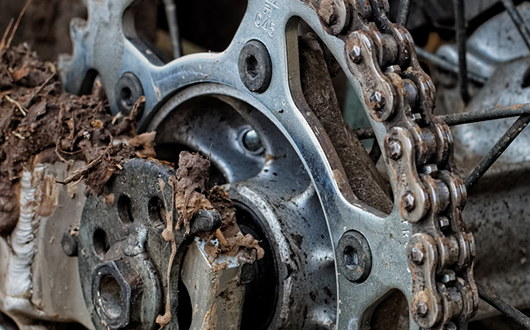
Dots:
{"x": 421, "y": 309}
{"x": 448, "y": 277}
{"x": 206, "y": 221}
{"x": 417, "y": 254}
{"x": 394, "y": 148}
{"x": 251, "y": 141}
{"x": 409, "y": 202}
{"x": 355, "y": 54}
{"x": 378, "y": 100}
{"x": 109, "y": 271}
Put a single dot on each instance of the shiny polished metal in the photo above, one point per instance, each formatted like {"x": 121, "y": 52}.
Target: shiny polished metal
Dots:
{"x": 294, "y": 167}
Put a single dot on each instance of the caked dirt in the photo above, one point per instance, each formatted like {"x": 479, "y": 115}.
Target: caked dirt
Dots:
{"x": 39, "y": 123}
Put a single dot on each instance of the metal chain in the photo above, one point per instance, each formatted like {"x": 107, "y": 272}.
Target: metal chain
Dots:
{"x": 419, "y": 151}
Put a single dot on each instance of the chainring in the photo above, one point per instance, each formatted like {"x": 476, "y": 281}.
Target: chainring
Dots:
{"x": 421, "y": 248}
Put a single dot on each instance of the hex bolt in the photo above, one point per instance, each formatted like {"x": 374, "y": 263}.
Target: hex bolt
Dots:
{"x": 127, "y": 91}
{"x": 394, "y": 149}
{"x": 255, "y": 66}
{"x": 69, "y": 244}
{"x": 448, "y": 277}
{"x": 417, "y": 254}
{"x": 378, "y": 100}
{"x": 444, "y": 222}
{"x": 421, "y": 309}
{"x": 355, "y": 54}
{"x": 251, "y": 141}
{"x": 409, "y": 202}
{"x": 112, "y": 295}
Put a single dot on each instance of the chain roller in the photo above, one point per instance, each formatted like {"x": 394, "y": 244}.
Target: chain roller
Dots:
{"x": 419, "y": 150}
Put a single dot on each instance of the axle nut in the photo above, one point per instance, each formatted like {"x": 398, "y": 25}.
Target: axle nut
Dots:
{"x": 112, "y": 295}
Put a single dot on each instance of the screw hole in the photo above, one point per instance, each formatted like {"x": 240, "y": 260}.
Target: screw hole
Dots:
{"x": 251, "y": 64}
{"x": 110, "y": 297}
{"x": 124, "y": 209}
{"x": 351, "y": 258}
{"x": 157, "y": 212}
{"x": 101, "y": 242}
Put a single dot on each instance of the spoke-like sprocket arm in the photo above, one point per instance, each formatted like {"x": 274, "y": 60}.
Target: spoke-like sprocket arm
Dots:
{"x": 422, "y": 248}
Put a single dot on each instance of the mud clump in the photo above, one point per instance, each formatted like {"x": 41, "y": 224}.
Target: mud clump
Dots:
{"x": 191, "y": 196}
{"x": 39, "y": 123}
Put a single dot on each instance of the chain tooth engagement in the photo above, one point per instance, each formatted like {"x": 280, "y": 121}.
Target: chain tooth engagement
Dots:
{"x": 419, "y": 150}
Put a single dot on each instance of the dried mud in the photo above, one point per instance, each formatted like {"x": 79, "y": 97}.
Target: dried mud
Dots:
{"x": 41, "y": 124}
{"x": 191, "y": 196}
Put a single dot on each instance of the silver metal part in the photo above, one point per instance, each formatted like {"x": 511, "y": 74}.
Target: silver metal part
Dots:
{"x": 295, "y": 166}
{"x": 497, "y": 209}
{"x": 215, "y": 287}
{"x": 30, "y": 289}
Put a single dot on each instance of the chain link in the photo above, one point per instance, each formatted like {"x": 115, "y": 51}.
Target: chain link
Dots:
{"x": 419, "y": 152}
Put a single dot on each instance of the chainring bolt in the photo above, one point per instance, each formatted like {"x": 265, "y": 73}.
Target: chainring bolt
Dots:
{"x": 417, "y": 254}
{"x": 409, "y": 202}
{"x": 255, "y": 66}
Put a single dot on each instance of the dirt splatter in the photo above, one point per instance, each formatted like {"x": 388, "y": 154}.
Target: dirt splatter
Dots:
{"x": 230, "y": 237}
{"x": 191, "y": 196}
{"x": 189, "y": 184}
{"x": 38, "y": 120}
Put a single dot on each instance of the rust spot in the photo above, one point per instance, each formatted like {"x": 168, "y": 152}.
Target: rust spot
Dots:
{"x": 269, "y": 157}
